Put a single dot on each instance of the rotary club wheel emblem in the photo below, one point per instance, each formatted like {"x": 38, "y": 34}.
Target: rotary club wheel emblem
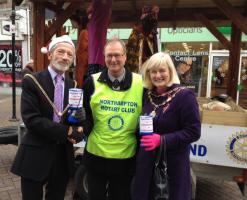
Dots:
{"x": 237, "y": 147}
{"x": 115, "y": 123}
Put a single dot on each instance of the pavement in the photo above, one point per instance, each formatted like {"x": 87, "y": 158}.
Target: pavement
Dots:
{"x": 6, "y": 108}
{"x": 206, "y": 189}
{"x": 10, "y": 183}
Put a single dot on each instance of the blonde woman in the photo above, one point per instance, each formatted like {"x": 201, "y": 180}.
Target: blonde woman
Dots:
{"x": 176, "y": 121}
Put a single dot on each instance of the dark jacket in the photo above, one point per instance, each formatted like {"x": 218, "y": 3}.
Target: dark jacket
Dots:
{"x": 36, "y": 152}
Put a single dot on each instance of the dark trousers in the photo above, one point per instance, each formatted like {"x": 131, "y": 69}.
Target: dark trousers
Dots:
{"x": 55, "y": 184}
{"x": 109, "y": 177}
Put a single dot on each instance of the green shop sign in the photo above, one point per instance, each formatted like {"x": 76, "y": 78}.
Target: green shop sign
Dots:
{"x": 225, "y": 30}
{"x": 180, "y": 34}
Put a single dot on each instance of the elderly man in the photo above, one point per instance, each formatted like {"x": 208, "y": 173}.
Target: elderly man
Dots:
{"x": 45, "y": 156}
{"x": 113, "y": 102}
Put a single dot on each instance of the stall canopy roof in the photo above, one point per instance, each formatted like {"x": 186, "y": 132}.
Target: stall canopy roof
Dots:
{"x": 173, "y": 13}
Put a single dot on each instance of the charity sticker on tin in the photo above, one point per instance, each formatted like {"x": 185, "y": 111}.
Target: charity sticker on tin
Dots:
{"x": 146, "y": 125}
{"x": 75, "y": 97}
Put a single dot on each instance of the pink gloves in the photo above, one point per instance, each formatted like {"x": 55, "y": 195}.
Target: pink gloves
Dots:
{"x": 150, "y": 142}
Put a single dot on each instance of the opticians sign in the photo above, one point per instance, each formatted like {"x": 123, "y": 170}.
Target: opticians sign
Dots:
{"x": 6, "y": 58}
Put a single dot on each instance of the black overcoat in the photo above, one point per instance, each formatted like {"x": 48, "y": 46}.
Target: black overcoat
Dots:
{"x": 36, "y": 151}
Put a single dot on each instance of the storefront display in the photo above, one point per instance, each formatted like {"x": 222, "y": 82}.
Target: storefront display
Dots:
{"x": 242, "y": 87}
{"x": 189, "y": 68}
{"x": 6, "y": 63}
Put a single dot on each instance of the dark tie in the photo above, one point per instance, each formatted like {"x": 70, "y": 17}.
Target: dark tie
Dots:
{"x": 115, "y": 84}
{"x": 58, "y": 92}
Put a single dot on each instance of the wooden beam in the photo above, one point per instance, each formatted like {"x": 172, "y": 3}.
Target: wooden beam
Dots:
{"x": 165, "y": 14}
{"x": 133, "y": 2}
{"x": 60, "y": 21}
{"x": 234, "y": 60}
{"x": 210, "y": 26}
{"x": 43, "y": 1}
{"x": 38, "y": 35}
{"x": 60, "y": 4}
{"x": 182, "y": 14}
{"x": 61, "y": 31}
{"x": 51, "y": 6}
{"x": 174, "y": 8}
{"x": 56, "y": 9}
{"x": 233, "y": 14}
{"x": 18, "y": 2}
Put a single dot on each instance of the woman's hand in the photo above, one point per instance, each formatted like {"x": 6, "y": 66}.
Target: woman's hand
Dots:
{"x": 150, "y": 142}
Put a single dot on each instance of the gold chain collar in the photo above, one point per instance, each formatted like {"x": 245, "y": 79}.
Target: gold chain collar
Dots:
{"x": 170, "y": 95}
{"x": 47, "y": 97}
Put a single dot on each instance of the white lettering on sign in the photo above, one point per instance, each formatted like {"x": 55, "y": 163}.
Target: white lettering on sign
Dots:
{"x": 6, "y": 59}
{"x": 184, "y": 30}
{"x": 185, "y": 53}
{"x": 3, "y": 58}
{"x": 179, "y": 58}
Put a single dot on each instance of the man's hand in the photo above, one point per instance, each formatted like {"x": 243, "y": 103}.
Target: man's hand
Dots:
{"x": 80, "y": 115}
{"x": 75, "y": 134}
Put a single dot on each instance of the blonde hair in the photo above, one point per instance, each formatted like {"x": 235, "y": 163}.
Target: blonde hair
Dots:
{"x": 156, "y": 61}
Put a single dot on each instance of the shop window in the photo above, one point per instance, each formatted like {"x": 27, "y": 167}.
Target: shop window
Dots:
{"x": 191, "y": 62}
{"x": 242, "y": 88}
{"x": 189, "y": 69}
{"x": 218, "y": 46}
{"x": 244, "y": 45}
{"x": 219, "y": 75}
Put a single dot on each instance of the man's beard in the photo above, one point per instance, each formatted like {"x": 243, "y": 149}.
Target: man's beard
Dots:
{"x": 62, "y": 67}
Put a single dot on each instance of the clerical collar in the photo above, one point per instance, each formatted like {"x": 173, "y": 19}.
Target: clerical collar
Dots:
{"x": 120, "y": 78}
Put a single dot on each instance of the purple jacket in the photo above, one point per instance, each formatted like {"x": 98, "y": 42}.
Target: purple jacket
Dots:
{"x": 179, "y": 125}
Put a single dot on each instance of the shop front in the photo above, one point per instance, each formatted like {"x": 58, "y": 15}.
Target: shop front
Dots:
{"x": 6, "y": 63}
{"x": 22, "y": 44}
{"x": 202, "y": 63}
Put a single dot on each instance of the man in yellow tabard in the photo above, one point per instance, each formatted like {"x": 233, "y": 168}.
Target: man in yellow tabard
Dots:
{"x": 113, "y": 102}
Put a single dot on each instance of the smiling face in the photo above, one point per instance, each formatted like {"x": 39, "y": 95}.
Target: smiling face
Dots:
{"x": 61, "y": 57}
{"x": 115, "y": 58}
{"x": 160, "y": 76}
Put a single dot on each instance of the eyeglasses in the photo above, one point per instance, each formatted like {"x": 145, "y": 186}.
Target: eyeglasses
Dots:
{"x": 62, "y": 52}
{"x": 116, "y": 56}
